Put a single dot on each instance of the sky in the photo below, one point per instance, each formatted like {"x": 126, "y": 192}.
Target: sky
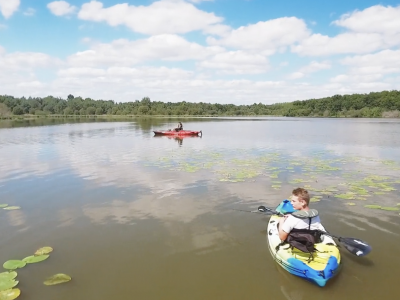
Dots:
{"x": 213, "y": 51}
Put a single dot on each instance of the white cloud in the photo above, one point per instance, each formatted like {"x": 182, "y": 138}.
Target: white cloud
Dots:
{"x": 383, "y": 62}
{"x": 351, "y": 42}
{"x": 9, "y": 7}
{"x": 29, "y": 12}
{"x": 314, "y": 66}
{"x": 343, "y": 78}
{"x": 374, "y": 19}
{"x": 237, "y": 62}
{"x": 372, "y": 29}
{"x": 61, "y": 8}
{"x": 265, "y": 37}
{"x": 199, "y": 1}
{"x": 26, "y": 60}
{"x": 126, "y": 53}
{"x": 161, "y": 17}
{"x": 296, "y": 75}
{"x": 124, "y": 72}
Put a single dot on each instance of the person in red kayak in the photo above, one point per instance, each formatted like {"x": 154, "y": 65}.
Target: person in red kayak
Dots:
{"x": 180, "y": 127}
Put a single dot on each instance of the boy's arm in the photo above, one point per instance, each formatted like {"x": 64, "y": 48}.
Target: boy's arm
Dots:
{"x": 282, "y": 234}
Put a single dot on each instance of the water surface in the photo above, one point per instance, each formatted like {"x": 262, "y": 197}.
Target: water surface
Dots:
{"x": 133, "y": 216}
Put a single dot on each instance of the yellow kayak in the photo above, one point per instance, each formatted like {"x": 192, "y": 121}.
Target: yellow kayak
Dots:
{"x": 319, "y": 267}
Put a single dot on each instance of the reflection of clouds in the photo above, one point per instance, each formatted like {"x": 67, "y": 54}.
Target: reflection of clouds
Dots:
{"x": 169, "y": 208}
{"x": 109, "y": 154}
{"x": 66, "y": 217}
{"x": 22, "y": 162}
{"x": 16, "y": 217}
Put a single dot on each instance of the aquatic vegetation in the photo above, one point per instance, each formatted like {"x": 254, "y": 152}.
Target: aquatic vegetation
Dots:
{"x": 373, "y": 206}
{"x": 7, "y": 284}
{"x": 8, "y": 275}
{"x": 3, "y": 205}
{"x": 347, "y": 196}
{"x": 390, "y": 208}
{"x": 9, "y": 294}
{"x": 35, "y": 258}
{"x": 14, "y": 264}
{"x": 44, "y": 250}
{"x": 57, "y": 279}
{"x": 323, "y": 173}
{"x": 351, "y": 203}
{"x": 11, "y": 207}
{"x": 7, "y": 279}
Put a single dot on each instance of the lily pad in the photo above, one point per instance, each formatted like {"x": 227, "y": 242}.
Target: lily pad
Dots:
{"x": 7, "y": 284}
{"x": 43, "y": 250}
{"x": 8, "y": 275}
{"x": 57, "y": 279}
{"x": 14, "y": 264}
{"x": 35, "y": 258}
{"x": 390, "y": 208}
{"x": 12, "y": 207}
{"x": 3, "y": 205}
{"x": 10, "y": 294}
{"x": 373, "y": 206}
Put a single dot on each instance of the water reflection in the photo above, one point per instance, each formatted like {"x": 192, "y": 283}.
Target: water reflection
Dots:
{"x": 178, "y": 139}
{"x": 166, "y": 202}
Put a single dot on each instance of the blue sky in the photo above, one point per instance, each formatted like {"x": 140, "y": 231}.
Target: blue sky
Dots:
{"x": 221, "y": 51}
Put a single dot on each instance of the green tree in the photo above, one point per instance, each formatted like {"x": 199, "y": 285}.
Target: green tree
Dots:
{"x": 18, "y": 110}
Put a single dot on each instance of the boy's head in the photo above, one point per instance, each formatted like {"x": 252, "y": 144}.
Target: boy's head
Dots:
{"x": 300, "y": 198}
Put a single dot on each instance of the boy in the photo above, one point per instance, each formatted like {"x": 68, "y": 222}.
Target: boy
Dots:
{"x": 300, "y": 201}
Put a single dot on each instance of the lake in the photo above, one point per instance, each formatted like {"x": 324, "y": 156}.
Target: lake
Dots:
{"x": 133, "y": 216}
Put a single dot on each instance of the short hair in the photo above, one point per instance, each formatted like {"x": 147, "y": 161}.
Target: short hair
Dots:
{"x": 302, "y": 194}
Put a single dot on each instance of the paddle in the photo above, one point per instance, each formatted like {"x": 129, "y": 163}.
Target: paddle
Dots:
{"x": 353, "y": 245}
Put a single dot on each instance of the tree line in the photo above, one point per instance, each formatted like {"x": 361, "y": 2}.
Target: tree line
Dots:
{"x": 372, "y": 105}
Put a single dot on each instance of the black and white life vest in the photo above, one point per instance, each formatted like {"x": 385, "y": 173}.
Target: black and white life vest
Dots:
{"x": 304, "y": 239}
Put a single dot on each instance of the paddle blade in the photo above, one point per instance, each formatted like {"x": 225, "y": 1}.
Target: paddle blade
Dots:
{"x": 262, "y": 208}
{"x": 356, "y": 246}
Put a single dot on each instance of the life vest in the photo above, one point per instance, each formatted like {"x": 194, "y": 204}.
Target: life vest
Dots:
{"x": 303, "y": 239}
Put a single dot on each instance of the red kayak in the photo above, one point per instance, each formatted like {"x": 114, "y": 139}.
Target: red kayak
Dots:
{"x": 178, "y": 133}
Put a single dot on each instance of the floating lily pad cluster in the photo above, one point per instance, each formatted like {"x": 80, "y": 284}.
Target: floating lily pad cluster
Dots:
{"x": 322, "y": 173}
{"x": 8, "y": 283}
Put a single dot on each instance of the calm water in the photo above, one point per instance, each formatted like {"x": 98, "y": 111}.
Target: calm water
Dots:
{"x": 132, "y": 216}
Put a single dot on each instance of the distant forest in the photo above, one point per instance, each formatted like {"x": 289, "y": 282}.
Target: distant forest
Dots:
{"x": 372, "y": 105}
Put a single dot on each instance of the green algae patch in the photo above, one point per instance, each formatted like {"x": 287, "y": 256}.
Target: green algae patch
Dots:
{"x": 373, "y": 206}
{"x": 345, "y": 196}
{"x": 390, "y": 208}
